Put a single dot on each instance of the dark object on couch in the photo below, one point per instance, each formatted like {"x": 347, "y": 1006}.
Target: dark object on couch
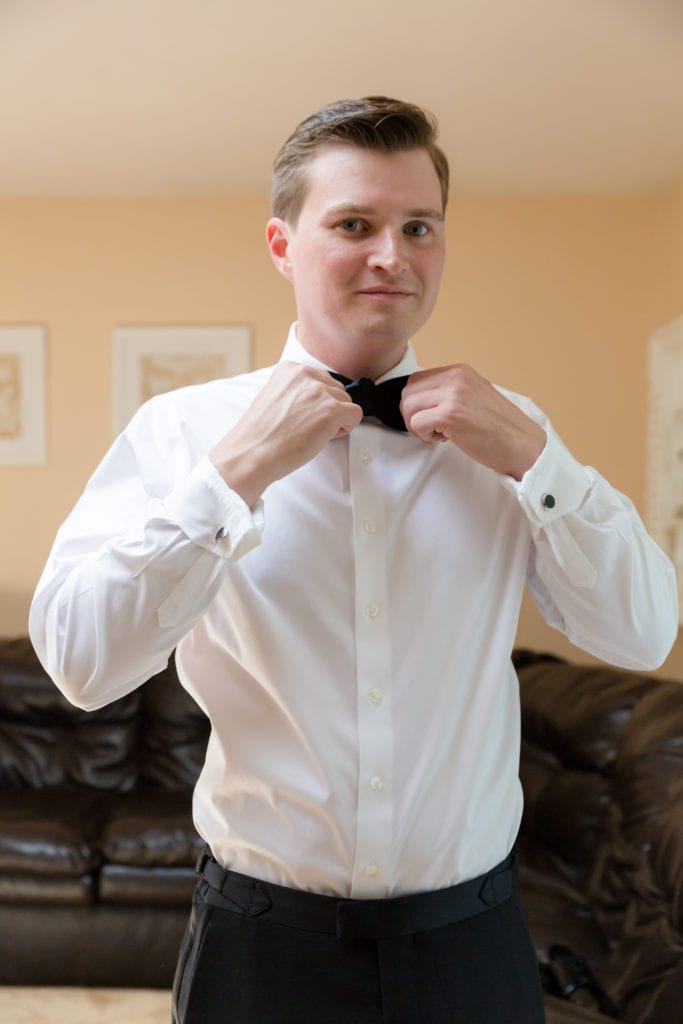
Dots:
{"x": 601, "y": 843}
{"x": 97, "y": 847}
{"x": 566, "y": 974}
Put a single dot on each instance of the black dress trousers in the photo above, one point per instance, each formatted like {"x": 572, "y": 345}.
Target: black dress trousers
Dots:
{"x": 240, "y": 969}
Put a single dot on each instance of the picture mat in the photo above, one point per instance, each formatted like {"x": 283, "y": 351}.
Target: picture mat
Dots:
{"x": 152, "y": 360}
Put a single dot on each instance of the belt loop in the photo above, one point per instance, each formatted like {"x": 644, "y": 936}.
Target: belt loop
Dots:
{"x": 499, "y": 883}
{"x": 204, "y": 856}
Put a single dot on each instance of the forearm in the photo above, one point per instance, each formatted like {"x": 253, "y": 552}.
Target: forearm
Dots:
{"x": 110, "y": 609}
{"x": 99, "y": 632}
{"x": 595, "y": 573}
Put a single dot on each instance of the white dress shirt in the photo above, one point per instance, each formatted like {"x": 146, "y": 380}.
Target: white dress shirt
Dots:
{"x": 350, "y": 637}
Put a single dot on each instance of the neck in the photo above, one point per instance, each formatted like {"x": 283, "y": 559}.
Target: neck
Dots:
{"x": 355, "y": 360}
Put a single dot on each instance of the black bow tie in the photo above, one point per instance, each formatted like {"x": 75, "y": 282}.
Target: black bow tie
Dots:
{"x": 379, "y": 400}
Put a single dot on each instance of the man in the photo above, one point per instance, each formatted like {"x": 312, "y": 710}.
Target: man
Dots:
{"x": 344, "y": 599}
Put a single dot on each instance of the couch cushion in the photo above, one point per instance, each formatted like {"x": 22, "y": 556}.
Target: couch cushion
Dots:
{"x": 45, "y": 741}
{"x": 555, "y": 905}
{"x": 628, "y": 729}
{"x": 176, "y": 733}
{"x": 47, "y": 890}
{"x": 649, "y": 769}
{"x": 564, "y": 808}
{"x": 637, "y": 886}
{"x": 578, "y": 712}
{"x": 152, "y": 828}
{"x": 573, "y": 718}
{"x": 147, "y": 886}
{"x": 50, "y": 832}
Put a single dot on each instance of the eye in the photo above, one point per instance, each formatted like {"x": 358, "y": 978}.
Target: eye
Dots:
{"x": 352, "y": 224}
{"x": 417, "y": 229}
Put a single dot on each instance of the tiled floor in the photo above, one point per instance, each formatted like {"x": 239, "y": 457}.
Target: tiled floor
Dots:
{"x": 83, "y": 1006}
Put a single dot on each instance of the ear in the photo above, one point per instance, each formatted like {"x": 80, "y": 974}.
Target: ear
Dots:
{"x": 278, "y": 234}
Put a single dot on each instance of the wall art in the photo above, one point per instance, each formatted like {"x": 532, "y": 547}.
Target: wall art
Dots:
{"x": 151, "y": 360}
{"x": 22, "y": 396}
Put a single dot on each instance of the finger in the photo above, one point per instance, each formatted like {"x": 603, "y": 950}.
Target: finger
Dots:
{"x": 423, "y": 393}
{"x": 353, "y": 414}
{"x": 426, "y": 425}
{"x": 349, "y": 425}
{"x": 420, "y": 402}
{"x": 332, "y": 382}
{"x": 430, "y": 380}
{"x": 343, "y": 431}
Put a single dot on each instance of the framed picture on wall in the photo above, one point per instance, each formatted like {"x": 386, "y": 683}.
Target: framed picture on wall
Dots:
{"x": 151, "y": 360}
{"x": 22, "y": 396}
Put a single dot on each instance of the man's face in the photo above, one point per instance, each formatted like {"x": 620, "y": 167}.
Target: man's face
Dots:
{"x": 365, "y": 256}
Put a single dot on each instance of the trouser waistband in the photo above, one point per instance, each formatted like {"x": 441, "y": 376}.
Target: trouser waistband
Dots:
{"x": 364, "y": 918}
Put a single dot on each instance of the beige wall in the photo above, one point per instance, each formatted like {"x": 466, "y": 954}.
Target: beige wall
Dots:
{"x": 675, "y": 206}
{"x": 551, "y": 296}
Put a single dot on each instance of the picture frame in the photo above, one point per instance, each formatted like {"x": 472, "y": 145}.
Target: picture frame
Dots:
{"x": 149, "y": 361}
{"x": 23, "y": 440}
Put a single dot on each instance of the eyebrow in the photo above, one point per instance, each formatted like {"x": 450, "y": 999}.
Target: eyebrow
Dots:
{"x": 420, "y": 213}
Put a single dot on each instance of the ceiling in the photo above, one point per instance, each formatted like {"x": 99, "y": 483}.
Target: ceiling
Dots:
{"x": 195, "y": 96}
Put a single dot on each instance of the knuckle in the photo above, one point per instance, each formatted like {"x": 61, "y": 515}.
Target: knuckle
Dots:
{"x": 451, "y": 407}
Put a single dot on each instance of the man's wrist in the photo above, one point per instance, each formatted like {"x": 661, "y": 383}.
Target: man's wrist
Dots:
{"x": 242, "y": 473}
{"x": 532, "y": 452}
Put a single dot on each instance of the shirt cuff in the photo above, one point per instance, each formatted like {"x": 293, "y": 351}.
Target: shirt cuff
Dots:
{"x": 555, "y": 485}
{"x": 214, "y": 516}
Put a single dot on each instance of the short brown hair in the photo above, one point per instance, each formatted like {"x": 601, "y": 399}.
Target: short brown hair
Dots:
{"x": 373, "y": 122}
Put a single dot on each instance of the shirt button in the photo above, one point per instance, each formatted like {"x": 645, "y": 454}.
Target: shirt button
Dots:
{"x": 375, "y": 696}
{"x": 370, "y": 870}
{"x": 369, "y": 526}
{"x": 372, "y": 611}
{"x": 376, "y": 783}
{"x": 548, "y": 501}
{"x": 364, "y": 454}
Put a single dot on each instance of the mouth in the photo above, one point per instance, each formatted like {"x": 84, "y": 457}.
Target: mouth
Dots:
{"x": 386, "y": 293}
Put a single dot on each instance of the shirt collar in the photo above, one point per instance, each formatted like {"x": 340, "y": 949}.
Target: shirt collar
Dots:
{"x": 295, "y": 351}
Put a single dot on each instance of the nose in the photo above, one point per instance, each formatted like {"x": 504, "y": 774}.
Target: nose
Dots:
{"x": 388, "y": 252}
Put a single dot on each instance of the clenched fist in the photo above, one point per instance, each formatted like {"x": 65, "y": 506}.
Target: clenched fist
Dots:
{"x": 292, "y": 418}
{"x": 454, "y": 403}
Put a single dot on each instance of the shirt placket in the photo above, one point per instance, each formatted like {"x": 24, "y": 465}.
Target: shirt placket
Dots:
{"x": 372, "y": 863}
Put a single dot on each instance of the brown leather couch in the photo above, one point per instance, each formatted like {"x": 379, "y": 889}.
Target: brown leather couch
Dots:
{"x": 601, "y": 843}
{"x": 97, "y": 846}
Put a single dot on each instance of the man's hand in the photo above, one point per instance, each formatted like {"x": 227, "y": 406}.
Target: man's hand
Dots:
{"x": 453, "y": 403}
{"x": 298, "y": 411}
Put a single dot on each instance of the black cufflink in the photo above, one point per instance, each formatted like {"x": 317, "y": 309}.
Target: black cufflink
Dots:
{"x": 548, "y": 501}
{"x": 220, "y": 533}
